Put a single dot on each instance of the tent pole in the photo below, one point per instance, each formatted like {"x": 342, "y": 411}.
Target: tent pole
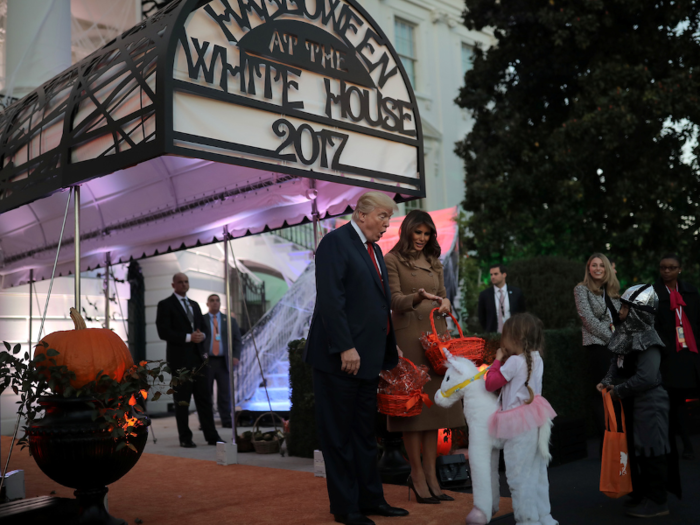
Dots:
{"x": 31, "y": 284}
{"x": 76, "y": 209}
{"x": 108, "y": 267}
{"x": 229, "y": 334}
{"x": 314, "y": 214}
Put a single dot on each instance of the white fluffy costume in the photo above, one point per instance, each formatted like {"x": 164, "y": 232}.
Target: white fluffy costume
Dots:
{"x": 524, "y": 429}
{"x": 523, "y": 435}
{"x": 461, "y": 382}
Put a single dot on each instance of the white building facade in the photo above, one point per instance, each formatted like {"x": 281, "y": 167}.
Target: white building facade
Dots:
{"x": 436, "y": 49}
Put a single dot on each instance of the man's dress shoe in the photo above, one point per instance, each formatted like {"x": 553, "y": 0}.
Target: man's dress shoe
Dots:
{"x": 385, "y": 510}
{"x": 187, "y": 444}
{"x": 353, "y": 518}
{"x": 214, "y": 442}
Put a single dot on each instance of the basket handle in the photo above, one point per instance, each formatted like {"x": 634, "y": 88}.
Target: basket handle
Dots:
{"x": 432, "y": 321}
{"x": 409, "y": 362}
{"x": 257, "y": 427}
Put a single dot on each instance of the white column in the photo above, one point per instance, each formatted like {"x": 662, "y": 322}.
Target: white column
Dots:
{"x": 38, "y": 45}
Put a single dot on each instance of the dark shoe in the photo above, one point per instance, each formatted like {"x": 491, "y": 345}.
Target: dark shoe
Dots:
{"x": 187, "y": 444}
{"x": 632, "y": 502}
{"x": 353, "y": 518}
{"x": 649, "y": 509}
{"x": 431, "y": 500}
{"x": 386, "y": 510}
{"x": 441, "y": 497}
{"x": 215, "y": 441}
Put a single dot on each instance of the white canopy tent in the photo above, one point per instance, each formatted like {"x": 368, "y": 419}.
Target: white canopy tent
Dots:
{"x": 243, "y": 114}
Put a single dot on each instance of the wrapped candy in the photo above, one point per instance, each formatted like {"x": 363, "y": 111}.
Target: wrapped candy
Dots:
{"x": 427, "y": 339}
{"x": 403, "y": 378}
{"x": 400, "y": 391}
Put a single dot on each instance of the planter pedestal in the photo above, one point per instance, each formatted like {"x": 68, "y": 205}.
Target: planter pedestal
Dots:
{"x": 72, "y": 450}
{"x": 92, "y": 510}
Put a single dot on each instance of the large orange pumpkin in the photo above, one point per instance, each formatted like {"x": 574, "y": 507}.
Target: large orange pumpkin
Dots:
{"x": 86, "y": 351}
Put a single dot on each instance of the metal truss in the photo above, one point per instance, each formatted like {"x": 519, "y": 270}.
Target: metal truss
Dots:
{"x": 43, "y": 137}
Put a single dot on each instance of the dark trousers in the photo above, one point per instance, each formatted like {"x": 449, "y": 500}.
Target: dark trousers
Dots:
{"x": 679, "y": 414}
{"x": 598, "y": 365}
{"x": 198, "y": 388}
{"x": 218, "y": 372}
{"x": 345, "y": 412}
{"x": 652, "y": 478}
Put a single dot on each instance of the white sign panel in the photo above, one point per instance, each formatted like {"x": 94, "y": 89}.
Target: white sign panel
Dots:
{"x": 296, "y": 86}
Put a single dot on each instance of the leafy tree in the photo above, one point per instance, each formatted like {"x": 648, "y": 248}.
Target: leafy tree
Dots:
{"x": 548, "y": 285}
{"x": 586, "y": 114}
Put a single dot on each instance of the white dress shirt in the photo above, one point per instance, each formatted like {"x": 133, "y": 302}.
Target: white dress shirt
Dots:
{"x": 180, "y": 298}
{"x": 364, "y": 241}
{"x": 506, "y": 302}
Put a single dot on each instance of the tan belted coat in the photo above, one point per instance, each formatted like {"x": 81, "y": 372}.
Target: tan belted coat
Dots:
{"x": 409, "y": 324}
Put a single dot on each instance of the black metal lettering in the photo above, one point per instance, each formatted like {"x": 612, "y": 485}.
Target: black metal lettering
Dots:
{"x": 194, "y": 68}
{"x": 338, "y": 152}
{"x": 242, "y": 19}
{"x": 401, "y": 105}
{"x": 331, "y": 98}
{"x": 353, "y": 90}
{"x": 390, "y": 115}
{"x": 300, "y": 147}
{"x": 383, "y": 61}
{"x": 290, "y": 133}
{"x": 286, "y": 84}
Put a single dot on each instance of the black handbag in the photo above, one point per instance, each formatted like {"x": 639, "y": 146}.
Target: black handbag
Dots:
{"x": 453, "y": 472}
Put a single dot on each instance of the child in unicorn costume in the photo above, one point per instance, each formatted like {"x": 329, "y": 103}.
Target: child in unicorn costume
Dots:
{"x": 519, "y": 422}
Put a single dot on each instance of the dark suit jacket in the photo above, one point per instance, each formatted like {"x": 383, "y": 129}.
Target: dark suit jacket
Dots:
{"x": 678, "y": 369}
{"x": 351, "y": 307}
{"x": 488, "y": 317}
{"x": 237, "y": 341}
{"x": 173, "y": 327}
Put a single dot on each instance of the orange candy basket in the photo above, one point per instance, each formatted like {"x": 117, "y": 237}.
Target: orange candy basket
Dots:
{"x": 403, "y": 405}
{"x": 470, "y": 347}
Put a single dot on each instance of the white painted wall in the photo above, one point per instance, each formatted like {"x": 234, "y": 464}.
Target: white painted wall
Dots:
{"x": 439, "y": 35}
{"x": 14, "y": 319}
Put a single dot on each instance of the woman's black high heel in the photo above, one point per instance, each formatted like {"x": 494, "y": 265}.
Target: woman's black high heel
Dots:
{"x": 441, "y": 497}
{"x": 432, "y": 500}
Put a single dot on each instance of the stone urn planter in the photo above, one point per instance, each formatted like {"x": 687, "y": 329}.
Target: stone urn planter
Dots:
{"x": 72, "y": 449}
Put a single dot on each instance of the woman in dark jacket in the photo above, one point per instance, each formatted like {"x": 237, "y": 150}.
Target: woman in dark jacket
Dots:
{"x": 677, "y": 323}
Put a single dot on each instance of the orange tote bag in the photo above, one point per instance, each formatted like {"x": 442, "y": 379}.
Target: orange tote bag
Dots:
{"x": 615, "y": 472}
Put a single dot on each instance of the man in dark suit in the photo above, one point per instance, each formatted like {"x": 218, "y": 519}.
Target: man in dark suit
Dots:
{"x": 350, "y": 341}
{"x": 216, "y": 345}
{"x": 498, "y": 303}
{"x": 180, "y": 324}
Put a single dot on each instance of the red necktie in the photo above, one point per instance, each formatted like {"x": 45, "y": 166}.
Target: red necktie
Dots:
{"x": 370, "y": 252}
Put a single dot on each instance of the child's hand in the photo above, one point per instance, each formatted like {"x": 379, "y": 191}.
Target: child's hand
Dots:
{"x": 500, "y": 354}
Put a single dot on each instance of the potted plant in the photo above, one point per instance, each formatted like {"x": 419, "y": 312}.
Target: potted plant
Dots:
{"x": 83, "y": 400}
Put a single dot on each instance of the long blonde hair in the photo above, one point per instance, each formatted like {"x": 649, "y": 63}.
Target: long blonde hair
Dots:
{"x": 612, "y": 285}
{"x": 527, "y": 331}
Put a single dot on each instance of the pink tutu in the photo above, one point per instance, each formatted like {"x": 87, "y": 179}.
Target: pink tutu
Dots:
{"x": 506, "y": 424}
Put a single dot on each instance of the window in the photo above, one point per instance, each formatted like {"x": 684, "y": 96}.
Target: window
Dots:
{"x": 404, "y": 34}
{"x": 414, "y": 205}
{"x": 467, "y": 54}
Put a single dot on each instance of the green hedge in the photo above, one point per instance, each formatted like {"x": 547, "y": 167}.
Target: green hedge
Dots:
{"x": 303, "y": 439}
{"x": 548, "y": 286}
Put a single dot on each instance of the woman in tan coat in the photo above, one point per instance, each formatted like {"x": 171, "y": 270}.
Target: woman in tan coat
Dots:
{"x": 416, "y": 282}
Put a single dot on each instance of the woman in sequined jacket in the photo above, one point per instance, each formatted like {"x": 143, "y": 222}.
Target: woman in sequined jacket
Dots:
{"x": 597, "y": 301}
